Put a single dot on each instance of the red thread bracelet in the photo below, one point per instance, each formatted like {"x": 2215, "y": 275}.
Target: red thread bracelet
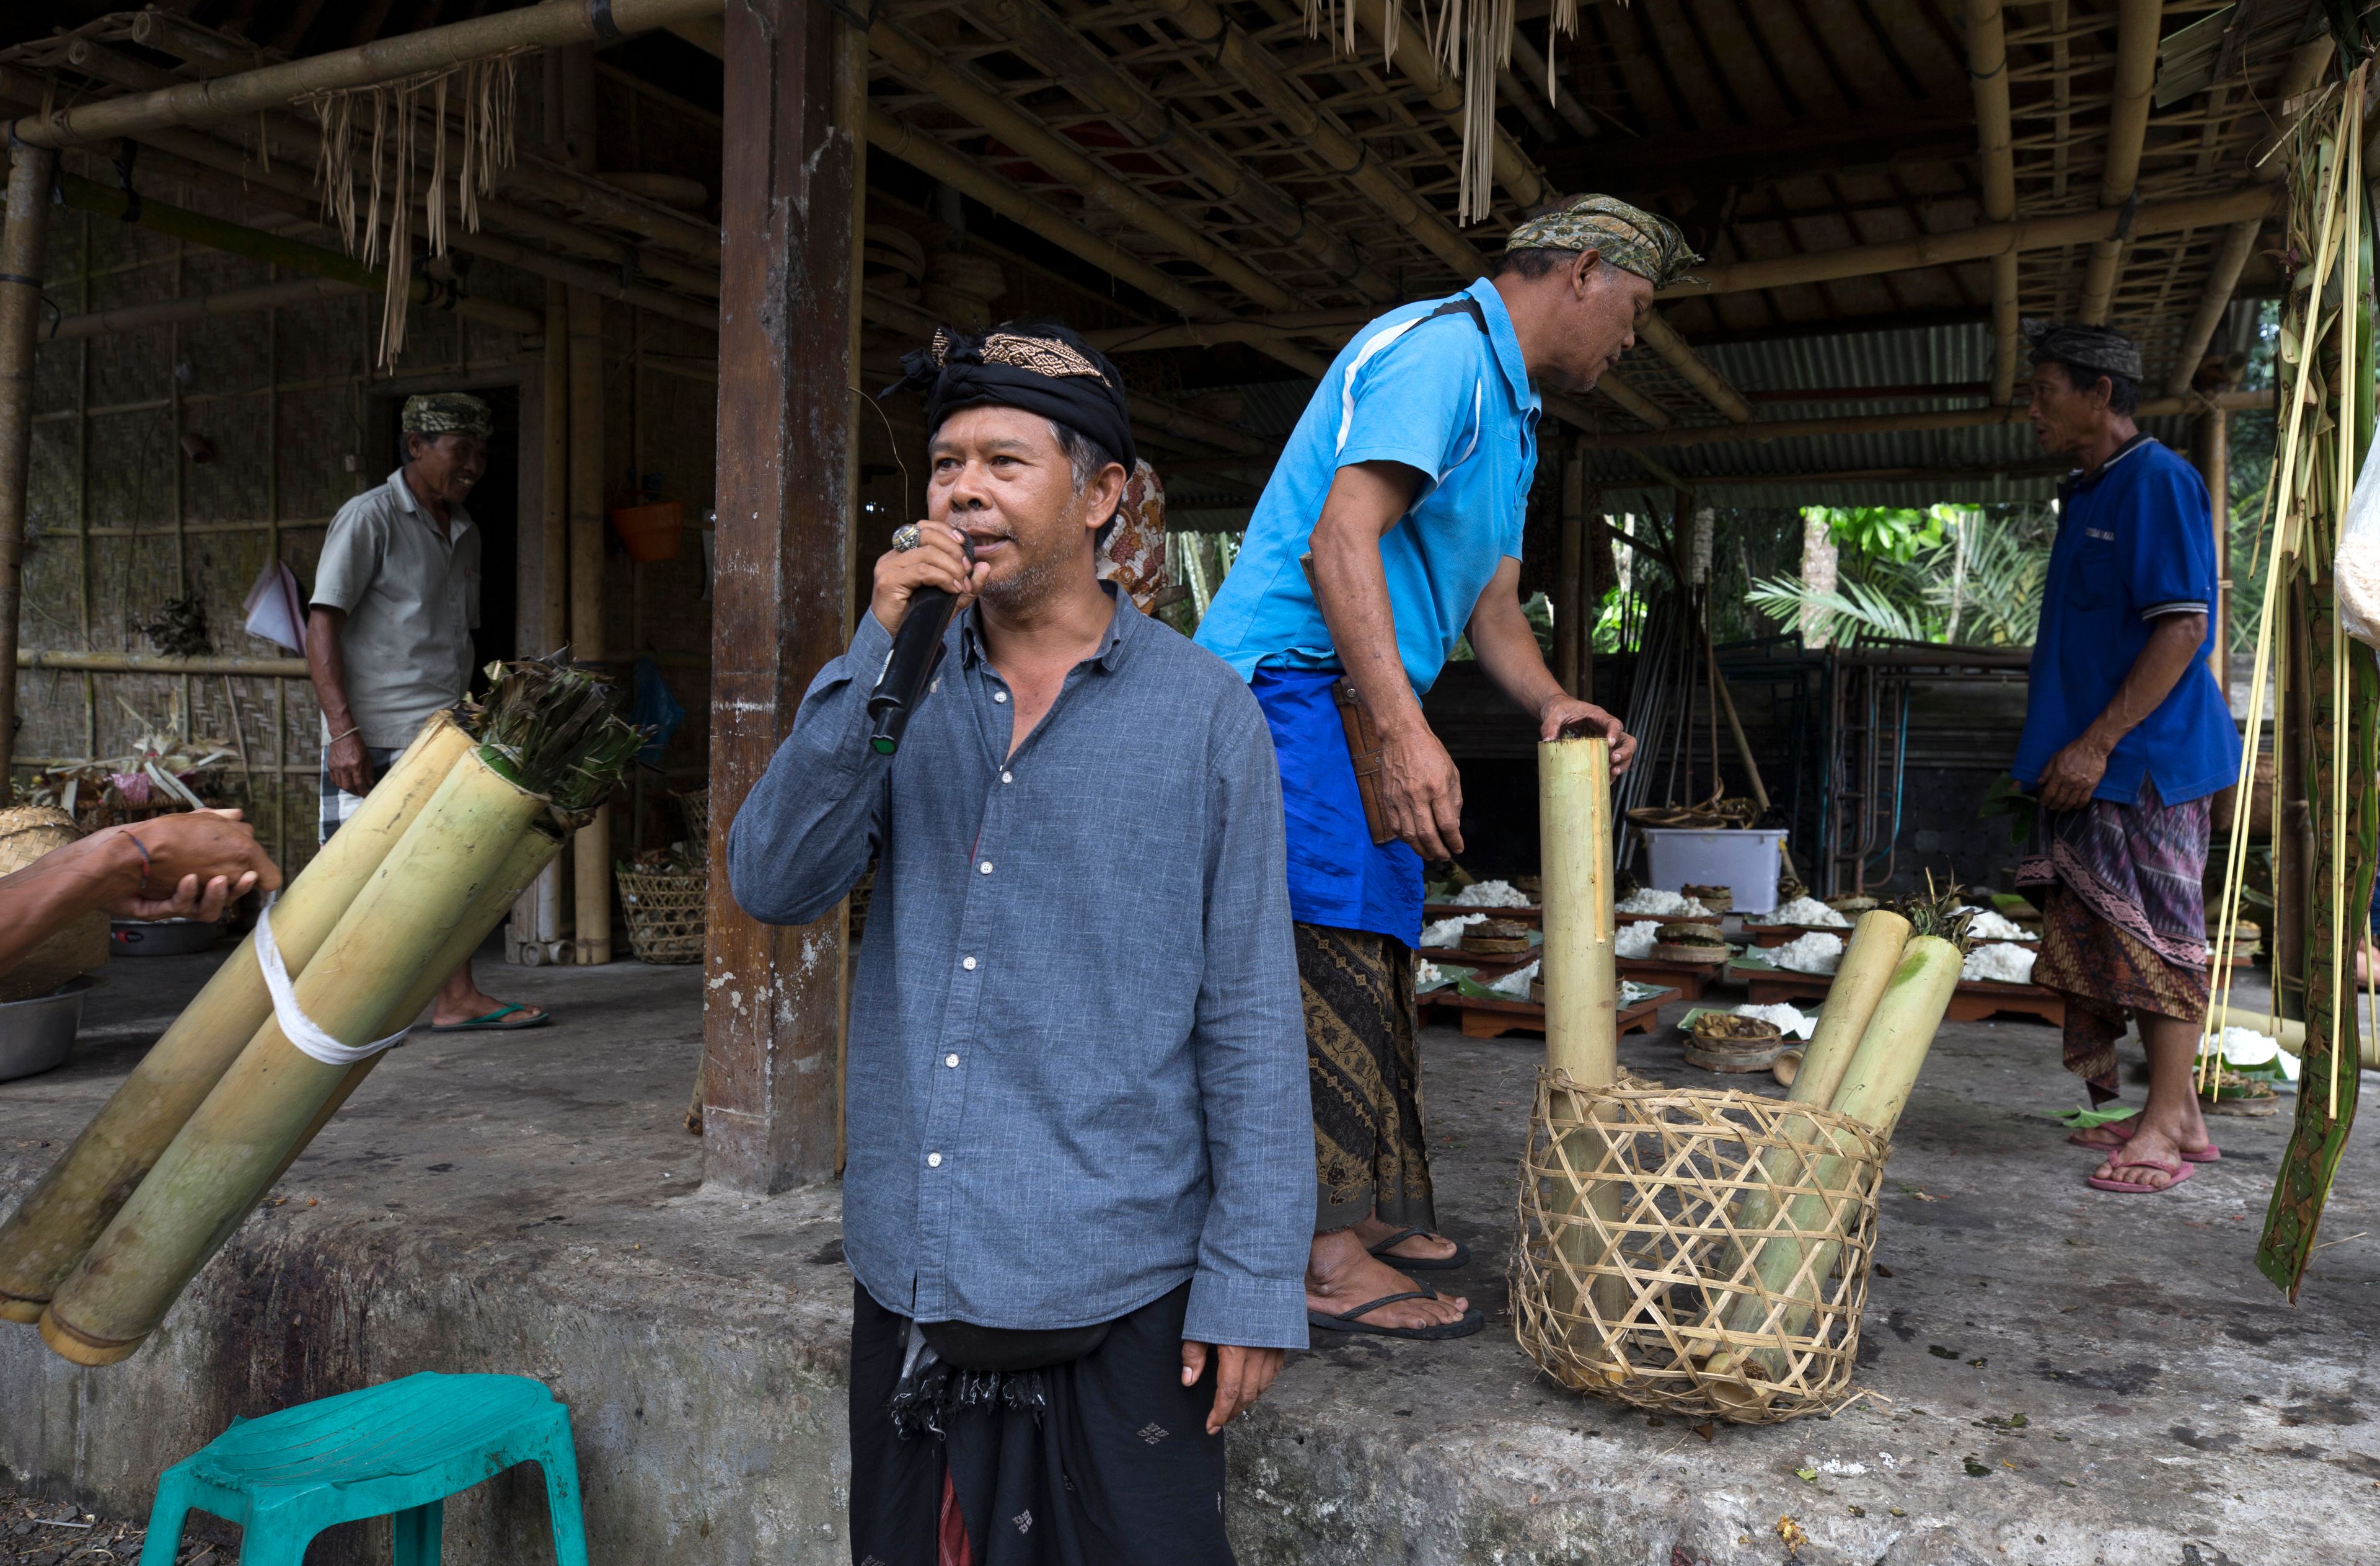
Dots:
{"x": 134, "y": 839}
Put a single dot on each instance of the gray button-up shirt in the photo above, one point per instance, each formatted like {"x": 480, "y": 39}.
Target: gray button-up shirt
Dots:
{"x": 1078, "y": 1059}
{"x": 411, "y": 590}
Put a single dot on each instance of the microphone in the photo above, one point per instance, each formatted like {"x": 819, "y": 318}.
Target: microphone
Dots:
{"x": 916, "y": 651}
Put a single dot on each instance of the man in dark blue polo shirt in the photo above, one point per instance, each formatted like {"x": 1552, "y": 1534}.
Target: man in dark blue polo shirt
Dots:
{"x": 2126, "y": 737}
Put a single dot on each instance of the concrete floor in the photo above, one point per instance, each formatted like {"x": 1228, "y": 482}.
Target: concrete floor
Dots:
{"x": 530, "y": 1203}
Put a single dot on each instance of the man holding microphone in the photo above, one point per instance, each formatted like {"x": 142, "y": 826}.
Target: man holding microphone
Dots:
{"x": 1391, "y": 527}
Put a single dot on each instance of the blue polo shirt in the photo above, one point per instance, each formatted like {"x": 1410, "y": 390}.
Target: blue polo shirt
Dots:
{"x": 1440, "y": 395}
{"x": 2135, "y": 541}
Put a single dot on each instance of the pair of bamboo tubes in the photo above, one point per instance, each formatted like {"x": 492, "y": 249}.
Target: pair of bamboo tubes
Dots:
{"x": 1889, "y": 996}
{"x": 224, "y": 1102}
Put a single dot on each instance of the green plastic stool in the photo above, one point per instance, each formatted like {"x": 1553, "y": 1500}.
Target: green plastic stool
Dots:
{"x": 395, "y": 1450}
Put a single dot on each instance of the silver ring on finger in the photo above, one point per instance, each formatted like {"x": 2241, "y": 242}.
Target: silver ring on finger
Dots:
{"x": 907, "y": 538}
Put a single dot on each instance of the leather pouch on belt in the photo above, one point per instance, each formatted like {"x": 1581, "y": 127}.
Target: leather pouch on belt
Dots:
{"x": 1364, "y": 748}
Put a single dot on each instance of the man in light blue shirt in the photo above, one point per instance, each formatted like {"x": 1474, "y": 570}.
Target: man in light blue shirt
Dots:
{"x": 1390, "y": 527}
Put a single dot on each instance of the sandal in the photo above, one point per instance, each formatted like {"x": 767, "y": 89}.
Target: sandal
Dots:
{"x": 501, "y": 1020}
{"x": 1351, "y": 1320}
{"x": 1461, "y": 1256}
{"x": 2179, "y": 1172}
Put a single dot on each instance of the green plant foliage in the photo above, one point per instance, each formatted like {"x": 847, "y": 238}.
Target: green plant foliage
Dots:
{"x": 1947, "y": 574}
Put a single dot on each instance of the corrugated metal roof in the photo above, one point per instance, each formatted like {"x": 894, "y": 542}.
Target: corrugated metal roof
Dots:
{"x": 1999, "y": 462}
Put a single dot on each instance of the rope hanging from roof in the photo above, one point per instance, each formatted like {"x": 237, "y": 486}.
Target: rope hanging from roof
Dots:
{"x": 1472, "y": 42}
{"x": 383, "y": 123}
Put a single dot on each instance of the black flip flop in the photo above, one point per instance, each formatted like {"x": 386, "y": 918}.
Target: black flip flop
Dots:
{"x": 1461, "y": 1256}
{"x": 1350, "y": 1321}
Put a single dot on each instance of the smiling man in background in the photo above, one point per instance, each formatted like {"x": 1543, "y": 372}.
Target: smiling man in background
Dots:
{"x": 1391, "y": 527}
{"x": 388, "y": 634}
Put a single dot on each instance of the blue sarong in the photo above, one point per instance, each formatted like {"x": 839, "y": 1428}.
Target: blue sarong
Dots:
{"x": 1338, "y": 876}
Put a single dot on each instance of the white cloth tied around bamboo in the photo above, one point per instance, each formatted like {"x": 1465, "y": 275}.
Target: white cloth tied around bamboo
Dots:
{"x": 309, "y": 1036}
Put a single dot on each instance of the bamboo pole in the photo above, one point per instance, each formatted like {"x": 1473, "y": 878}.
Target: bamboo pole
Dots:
{"x": 225, "y": 98}
{"x": 1858, "y": 424}
{"x": 380, "y": 952}
{"x": 1988, "y": 71}
{"x": 959, "y": 89}
{"x": 1979, "y": 243}
{"x": 201, "y": 160}
{"x": 1582, "y": 993}
{"x": 57, "y": 1222}
{"x": 1091, "y": 75}
{"x": 159, "y": 664}
{"x": 530, "y": 858}
{"x": 2128, "y": 129}
{"x": 1577, "y": 966}
{"x": 1532, "y": 69}
{"x": 1304, "y": 120}
{"x": 24, "y": 245}
{"x": 313, "y": 261}
{"x": 1514, "y": 170}
{"x": 201, "y": 307}
{"x": 2222, "y": 282}
{"x": 1662, "y": 338}
{"x": 1875, "y": 1088}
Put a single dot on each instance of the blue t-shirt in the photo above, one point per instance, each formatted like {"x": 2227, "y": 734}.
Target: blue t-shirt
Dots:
{"x": 1436, "y": 395}
{"x": 2135, "y": 541}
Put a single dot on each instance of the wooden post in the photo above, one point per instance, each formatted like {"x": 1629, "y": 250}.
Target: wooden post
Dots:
{"x": 591, "y": 846}
{"x": 537, "y": 935}
{"x": 24, "y": 246}
{"x": 1570, "y": 592}
{"x": 780, "y": 603}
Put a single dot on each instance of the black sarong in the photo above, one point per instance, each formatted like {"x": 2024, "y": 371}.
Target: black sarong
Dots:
{"x": 1116, "y": 1470}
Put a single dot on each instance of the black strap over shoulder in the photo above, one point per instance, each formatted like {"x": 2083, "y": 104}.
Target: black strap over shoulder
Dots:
{"x": 1462, "y": 304}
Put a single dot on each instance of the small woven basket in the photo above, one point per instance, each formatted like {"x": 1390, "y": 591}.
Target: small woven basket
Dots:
{"x": 1649, "y": 1267}
{"x": 665, "y": 914}
{"x": 696, "y": 803}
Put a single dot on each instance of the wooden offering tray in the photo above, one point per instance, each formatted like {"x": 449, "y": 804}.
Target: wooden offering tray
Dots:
{"x": 1973, "y": 1001}
{"x": 1458, "y": 910}
{"x": 1492, "y": 1019}
{"x": 1779, "y": 935}
{"x": 1688, "y": 978}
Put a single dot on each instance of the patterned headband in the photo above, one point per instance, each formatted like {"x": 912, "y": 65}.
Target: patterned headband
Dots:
{"x": 1629, "y": 237}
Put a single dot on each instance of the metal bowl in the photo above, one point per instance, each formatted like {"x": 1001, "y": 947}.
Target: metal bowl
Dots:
{"x": 38, "y": 1035}
{"x": 161, "y": 938}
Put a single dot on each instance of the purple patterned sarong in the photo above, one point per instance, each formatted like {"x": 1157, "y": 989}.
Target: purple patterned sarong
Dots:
{"x": 2124, "y": 921}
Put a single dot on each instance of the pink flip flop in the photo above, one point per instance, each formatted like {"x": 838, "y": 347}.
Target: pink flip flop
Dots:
{"x": 2124, "y": 1130}
{"x": 2133, "y": 1187}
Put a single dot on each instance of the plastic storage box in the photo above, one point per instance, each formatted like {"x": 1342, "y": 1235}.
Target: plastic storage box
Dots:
{"x": 1717, "y": 857}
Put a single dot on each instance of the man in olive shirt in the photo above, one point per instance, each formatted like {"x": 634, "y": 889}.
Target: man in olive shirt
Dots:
{"x": 388, "y": 632}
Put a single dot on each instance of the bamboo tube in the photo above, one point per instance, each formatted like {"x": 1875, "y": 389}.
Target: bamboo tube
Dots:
{"x": 1581, "y": 982}
{"x": 58, "y": 1221}
{"x": 1582, "y": 995}
{"x": 24, "y": 244}
{"x": 1875, "y": 1089}
{"x": 1869, "y": 964}
{"x": 254, "y": 244}
{"x": 528, "y": 859}
{"x": 383, "y": 947}
{"x": 226, "y": 98}
{"x": 1867, "y": 968}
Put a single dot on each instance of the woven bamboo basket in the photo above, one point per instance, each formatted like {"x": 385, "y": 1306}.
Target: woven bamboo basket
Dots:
{"x": 27, "y": 832}
{"x": 665, "y": 910}
{"x": 696, "y": 803}
{"x": 1637, "y": 1270}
